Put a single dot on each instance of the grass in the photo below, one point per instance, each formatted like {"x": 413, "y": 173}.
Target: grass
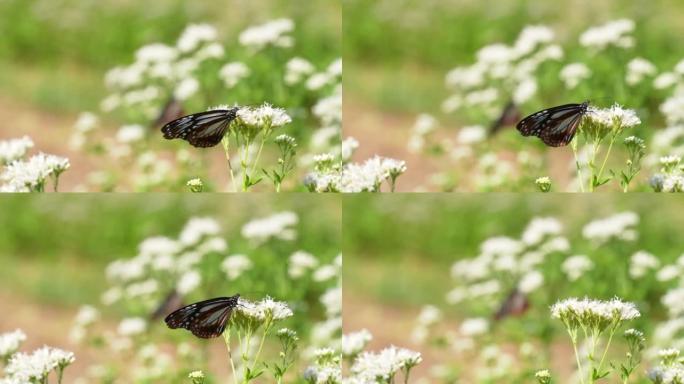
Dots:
{"x": 45, "y": 59}
{"x": 415, "y": 43}
{"x": 56, "y": 247}
{"x": 409, "y": 260}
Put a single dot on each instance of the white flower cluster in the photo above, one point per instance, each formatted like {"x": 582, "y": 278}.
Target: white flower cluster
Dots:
{"x": 589, "y": 312}
{"x": 159, "y": 67}
{"x": 32, "y": 174}
{"x": 327, "y": 368}
{"x": 272, "y": 33}
{"x": 670, "y": 370}
{"x": 37, "y": 365}
{"x": 231, "y": 73}
{"x": 355, "y": 342}
{"x": 265, "y": 310}
{"x": 479, "y": 277}
{"x": 14, "y": 149}
{"x": 10, "y": 342}
{"x": 369, "y": 175}
{"x": 383, "y": 366}
{"x": 263, "y": 117}
{"x": 618, "y": 227}
{"x": 572, "y": 74}
{"x": 638, "y": 69}
{"x": 277, "y": 226}
{"x": 614, "y": 118}
{"x": 511, "y": 66}
{"x": 614, "y": 33}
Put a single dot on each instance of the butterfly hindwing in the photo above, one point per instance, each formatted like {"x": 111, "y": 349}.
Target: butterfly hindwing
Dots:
{"x": 554, "y": 126}
{"x": 204, "y": 129}
{"x": 205, "y": 319}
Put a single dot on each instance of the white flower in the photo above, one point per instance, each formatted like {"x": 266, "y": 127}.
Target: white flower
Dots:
{"x": 355, "y": 342}
{"x": 36, "y": 366}
{"x": 371, "y": 367}
{"x": 86, "y": 122}
{"x": 349, "y": 145}
{"x": 429, "y": 315}
{"x": 369, "y": 175}
{"x": 474, "y": 327}
{"x": 14, "y": 149}
{"x": 615, "y": 116}
{"x": 232, "y": 73}
{"x": 276, "y": 226}
{"x": 539, "y": 228}
{"x": 531, "y": 281}
{"x": 673, "y": 109}
{"x": 194, "y": 35}
{"x": 637, "y": 69}
{"x": 188, "y": 282}
{"x": 296, "y": 69}
{"x": 235, "y": 265}
{"x": 471, "y": 135}
{"x": 318, "y": 81}
{"x": 575, "y": 266}
{"x": 130, "y": 133}
{"x": 619, "y": 226}
{"x": 641, "y": 262}
{"x": 143, "y": 288}
{"x": 264, "y": 116}
{"x": 265, "y": 309}
{"x": 299, "y": 263}
{"x": 198, "y": 228}
{"x": 572, "y": 74}
{"x": 668, "y": 272}
{"x": 155, "y": 53}
{"x": 332, "y": 301}
{"x": 530, "y": 37}
{"x": 674, "y": 301}
{"x": 612, "y": 33}
{"x": 665, "y": 80}
{"x": 525, "y": 90}
{"x": 132, "y": 326}
{"x": 271, "y": 33}
{"x": 424, "y": 124}
{"x": 325, "y": 272}
{"x": 35, "y": 171}
{"x": 329, "y": 110}
{"x": 582, "y": 310}
{"x": 10, "y": 342}
{"x": 196, "y": 375}
{"x": 210, "y": 51}
{"x": 186, "y": 88}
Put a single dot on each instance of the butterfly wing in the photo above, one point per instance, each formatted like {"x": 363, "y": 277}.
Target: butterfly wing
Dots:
{"x": 204, "y": 129}
{"x": 555, "y": 126}
{"x": 509, "y": 116}
{"x": 205, "y": 319}
{"x": 516, "y": 304}
{"x": 173, "y": 109}
{"x": 171, "y": 302}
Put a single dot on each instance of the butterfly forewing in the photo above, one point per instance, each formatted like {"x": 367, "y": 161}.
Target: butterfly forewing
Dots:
{"x": 205, "y": 319}
{"x": 554, "y": 126}
{"x": 509, "y": 116}
{"x": 204, "y": 129}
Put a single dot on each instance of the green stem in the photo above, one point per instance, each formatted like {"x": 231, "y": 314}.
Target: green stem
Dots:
{"x": 605, "y": 351}
{"x": 577, "y": 359}
{"x": 577, "y": 164}
{"x": 261, "y": 345}
{"x": 226, "y": 148}
{"x": 605, "y": 159}
{"x": 226, "y": 337}
{"x": 592, "y": 165}
{"x": 261, "y": 147}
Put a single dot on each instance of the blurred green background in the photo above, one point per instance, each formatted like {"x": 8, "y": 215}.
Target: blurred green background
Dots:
{"x": 398, "y": 52}
{"x": 54, "y": 53}
{"x": 399, "y": 249}
{"x": 54, "y": 248}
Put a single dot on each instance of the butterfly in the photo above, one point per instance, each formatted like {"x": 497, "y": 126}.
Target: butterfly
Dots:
{"x": 509, "y": 116}
{"x": 173, "y": 109}
{"x": 171, "y": 302}
{"x": 554, "y": 126}
{"x": 515, "y": 304}
{"x": 205, "y": 319}
{"x": 203, "y": 129}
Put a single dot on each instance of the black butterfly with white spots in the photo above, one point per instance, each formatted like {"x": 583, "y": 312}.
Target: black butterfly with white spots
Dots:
{"x": 203, "y": 129}
{"x": 515, "y": 304}
{"x": 205, "y": 319}
{"x": 554, "y": 126}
